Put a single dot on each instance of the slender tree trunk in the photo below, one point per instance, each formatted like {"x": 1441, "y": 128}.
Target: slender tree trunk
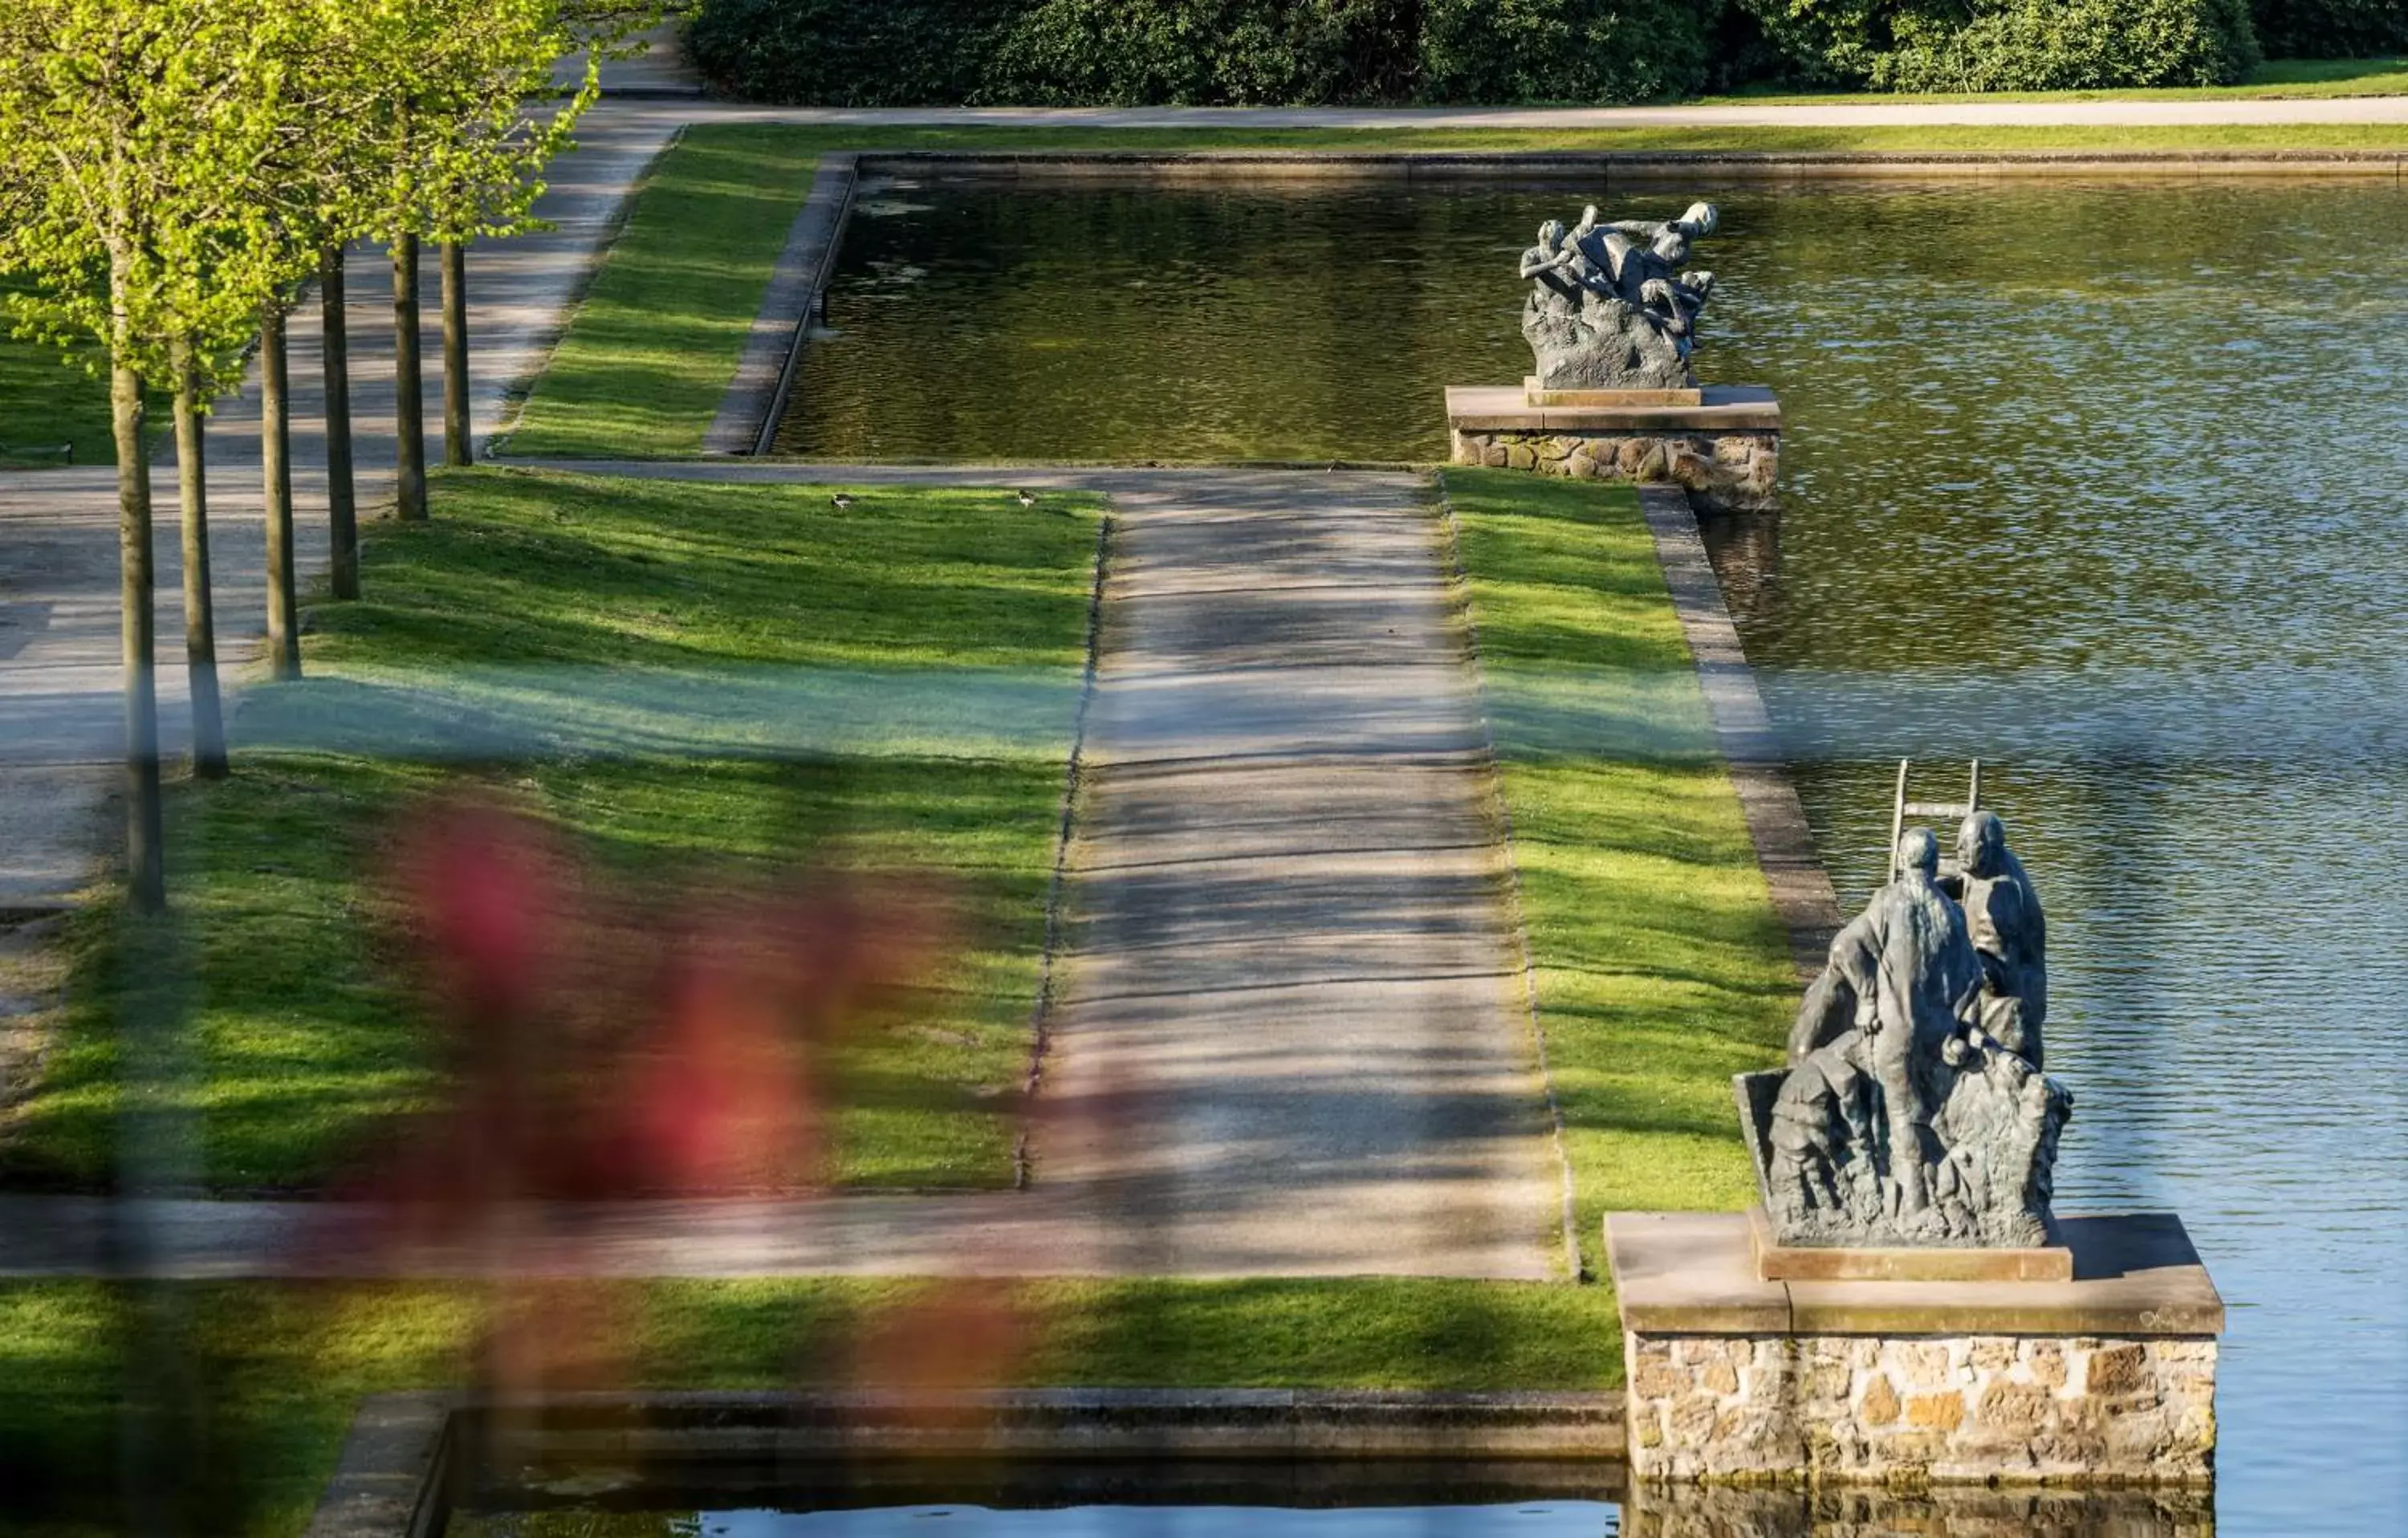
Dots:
{"x": 276, "y": 469}
{"x": 200, "y": 617}
{"x": 342, "y": 505}
{"x": 457, "y": 447}
{"x": 146, "y": 879}
{"x": 409, "y": 405}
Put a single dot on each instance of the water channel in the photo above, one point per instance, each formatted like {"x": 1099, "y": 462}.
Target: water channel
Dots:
{"x": 2105, "y": 484}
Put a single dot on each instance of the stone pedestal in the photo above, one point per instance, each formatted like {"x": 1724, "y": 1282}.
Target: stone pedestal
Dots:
{"x": 2107, "y": 1378}
{"x": 1725, "y": 447}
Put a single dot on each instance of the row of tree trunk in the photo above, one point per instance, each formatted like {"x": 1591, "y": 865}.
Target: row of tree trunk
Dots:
{"x": 145, "y": 818}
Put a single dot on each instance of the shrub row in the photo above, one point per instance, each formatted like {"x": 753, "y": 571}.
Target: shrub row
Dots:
{"x": 1202, "y": 52}
{"x": 1060, "y": 53}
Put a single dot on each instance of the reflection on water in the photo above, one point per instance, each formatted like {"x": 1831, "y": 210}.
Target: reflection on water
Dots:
{"x": 1529, "y": 1519}
{"x": 1947, "y": 1514}
{"x": 2102, "y": 484}
{"x": 1648, "y": 1512}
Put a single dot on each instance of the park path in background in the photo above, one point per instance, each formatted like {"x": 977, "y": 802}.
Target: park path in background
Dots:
{"x": 1289, "y": 1038}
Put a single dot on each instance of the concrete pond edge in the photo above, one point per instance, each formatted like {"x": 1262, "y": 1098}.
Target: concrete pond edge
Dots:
{"x": 765, "y": 374}
{"x": 407, "y": 1456}
{"x": 1645, "y": 166}
{"x": 1802, "y": 892}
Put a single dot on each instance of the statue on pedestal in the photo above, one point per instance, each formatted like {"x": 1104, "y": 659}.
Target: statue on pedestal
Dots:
{"x": 1610, "y": 306}
{"x": 1914, "y": 1111}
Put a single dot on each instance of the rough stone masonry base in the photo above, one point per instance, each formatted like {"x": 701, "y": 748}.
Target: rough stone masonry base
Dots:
{"x": 2108, "y": 1379}
{"x": 1725, "y": 452}
{"x": 1937, "y": 1409}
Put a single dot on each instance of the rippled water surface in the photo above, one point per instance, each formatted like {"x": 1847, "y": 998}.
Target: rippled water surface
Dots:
{"x": 2108, "y": 486}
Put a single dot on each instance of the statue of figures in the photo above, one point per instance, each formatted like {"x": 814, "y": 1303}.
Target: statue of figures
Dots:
{"x": 1925, "y": 977}
{"x": 1610, "y": 307}
{"x": 2003, "y": 915}
{"x": 1904, "y": 1116}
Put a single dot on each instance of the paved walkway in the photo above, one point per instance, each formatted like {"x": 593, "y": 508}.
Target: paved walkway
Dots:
{"x": 1290, "y": 1019}
{"x": 58, "y": 674}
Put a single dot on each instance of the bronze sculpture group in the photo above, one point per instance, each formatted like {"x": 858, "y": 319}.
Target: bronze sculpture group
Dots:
{"x": 1914, "y": 1111}
{"x": 1610, "y": 306}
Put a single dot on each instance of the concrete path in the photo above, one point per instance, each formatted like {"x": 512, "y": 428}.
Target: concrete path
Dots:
{"x": 1290, "y": 1016}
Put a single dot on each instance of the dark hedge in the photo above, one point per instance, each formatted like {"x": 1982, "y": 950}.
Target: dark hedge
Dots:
{"x": 2331, "y": 29}
{"x": 1064, "y": 52}
{"x": 1211, "y": 52}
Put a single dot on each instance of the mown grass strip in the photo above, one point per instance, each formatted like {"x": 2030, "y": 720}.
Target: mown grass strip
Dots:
{"x": 1661, "y": 968}
{"x": 652, "y": 350}
{"x": 488, "y": 634}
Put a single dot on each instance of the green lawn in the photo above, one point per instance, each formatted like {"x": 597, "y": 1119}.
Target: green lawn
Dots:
{"x": 270, "y": 1374}
{"x": 45, "y": 402}
{"x": 1662, "y": 969}
{"x": 697, "y": 683}
{"x": 655, "y": 345}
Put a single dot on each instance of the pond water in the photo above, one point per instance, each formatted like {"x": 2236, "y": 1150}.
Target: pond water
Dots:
{"x": 1545, "y": 1519}
{"x": 2106, "y": 484}
{"x": 1272, "y": 1510}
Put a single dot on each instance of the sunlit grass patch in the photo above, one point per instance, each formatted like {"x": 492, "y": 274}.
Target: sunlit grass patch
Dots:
{"x": 489, "y": 651}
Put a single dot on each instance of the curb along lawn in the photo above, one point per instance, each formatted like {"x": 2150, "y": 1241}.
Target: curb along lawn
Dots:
{"x": 696, "y": 685}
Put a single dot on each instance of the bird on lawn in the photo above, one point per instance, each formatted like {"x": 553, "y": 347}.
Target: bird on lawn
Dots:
{"x": 1027, "y": 499}
{"x": 842, "y": 500}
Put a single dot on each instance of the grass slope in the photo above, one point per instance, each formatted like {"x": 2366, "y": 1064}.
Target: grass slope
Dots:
{"x": 1661, "y": 968}
{"x": 268, "y": 1374}
{"x": 655, "y": 345}
{"x": 625, "y": 643}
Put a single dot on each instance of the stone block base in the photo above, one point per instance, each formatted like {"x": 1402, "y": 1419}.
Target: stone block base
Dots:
{"x": 1725, "y": 449}
{"x": 2108, "y": 1378}
{"x": 1732, "y": 472}
{"x": 1926, "y": 1409}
